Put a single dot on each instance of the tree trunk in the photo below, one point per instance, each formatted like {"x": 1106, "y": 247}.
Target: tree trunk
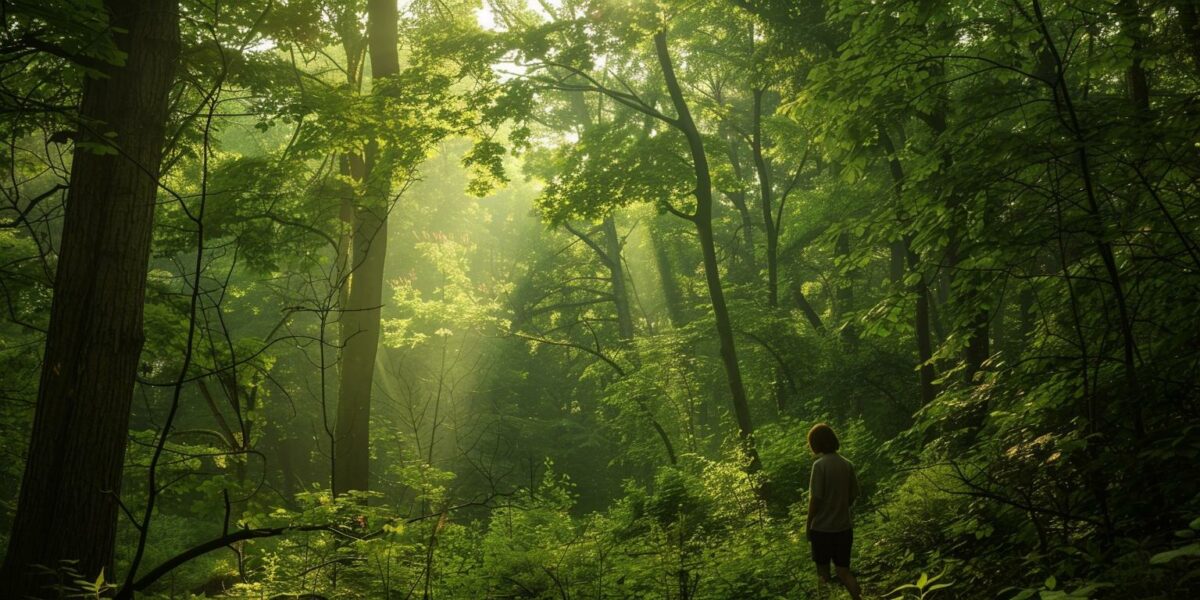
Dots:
{"x": 703, "y": 222}
{"x": 360, "y": 344}
{"x": 616, "y": 270}
{"x": 978, "y": 346}
{"x": 924, "y": 337}
{"x": 921, "y": 287}
{"x": 1132, "y": 25}
{"x": 896, "y": 264}
{"x": 747, "y": 265}
{"x": 1025, "y": 302}
{"x": 1189, "y": 21}
{"x": 1070, "y": 119}
{"x": 360, "y": 321}
{"x": 672, "y": 296}
{"x": 845, "y": 291}
{"x": 844, "y": 298}
{"x": 288, "y": 477}
{"x": 767, "y": 203}
{"x": 69, "y": 495}
{"x": 608, "y": 250}
{"x": 806, "y": 307}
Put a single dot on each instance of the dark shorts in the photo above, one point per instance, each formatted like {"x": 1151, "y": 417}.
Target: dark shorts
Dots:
{"x": 834, "y": 547}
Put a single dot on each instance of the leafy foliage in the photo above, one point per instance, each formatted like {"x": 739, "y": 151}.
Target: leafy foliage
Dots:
{"x": 965, "y": 234}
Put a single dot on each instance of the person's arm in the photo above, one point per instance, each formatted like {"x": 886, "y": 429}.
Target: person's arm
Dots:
{"x": 816, "y": 492}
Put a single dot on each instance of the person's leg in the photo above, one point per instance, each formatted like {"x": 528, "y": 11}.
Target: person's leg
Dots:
{"x": 850, "y": 582}
{"x": 822, "y": 555}
{"x": 823, "y": 581}
{"x": 841, "y": 562}
{"x": 823, "y": 576}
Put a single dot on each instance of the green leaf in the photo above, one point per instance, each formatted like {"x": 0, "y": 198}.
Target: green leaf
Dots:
{"x": 1188, "y": 551}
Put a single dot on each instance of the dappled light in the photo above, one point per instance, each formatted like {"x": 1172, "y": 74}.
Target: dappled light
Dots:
{"x": 558, "y": 299}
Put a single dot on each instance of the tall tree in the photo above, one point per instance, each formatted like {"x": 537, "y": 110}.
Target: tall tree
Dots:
{"x": 658, "y": 175}
{"x": 360, "y": 319}
{"x": 70, "y": 491}
{"x": 921, "y": 319}
{"x": 702, "y": 218}
{"x": 766, "y": 199}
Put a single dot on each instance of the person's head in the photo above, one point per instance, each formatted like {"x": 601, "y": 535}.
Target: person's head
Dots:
{"x": 822, "y": 439}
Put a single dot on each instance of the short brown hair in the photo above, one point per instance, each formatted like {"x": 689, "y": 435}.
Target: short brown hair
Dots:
{"x": 822, "y": 439}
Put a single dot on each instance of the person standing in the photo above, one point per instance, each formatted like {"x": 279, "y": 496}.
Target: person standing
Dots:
{"x": 832, "y": 490}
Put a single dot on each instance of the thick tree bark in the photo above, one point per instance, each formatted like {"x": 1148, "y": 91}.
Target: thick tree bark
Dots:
{"x": 704, "y": 231}
{"x": 360, "y": 319}
{"x": 69, "y": 495}
{"x": 359, "y": 350}
{"x": 360, "y": 344}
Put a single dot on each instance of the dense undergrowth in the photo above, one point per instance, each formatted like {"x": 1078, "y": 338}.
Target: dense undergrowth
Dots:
{"x": 538, "y": 299}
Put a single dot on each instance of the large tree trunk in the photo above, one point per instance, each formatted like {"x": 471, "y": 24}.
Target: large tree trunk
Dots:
{"x": 360, "y": 344}
{"x": 360, "y": 319}
{"x": 69, "y": 495}
{"x": 704, "y": 231}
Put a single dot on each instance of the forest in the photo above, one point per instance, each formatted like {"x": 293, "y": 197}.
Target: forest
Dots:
{"x": 467, "y": 299}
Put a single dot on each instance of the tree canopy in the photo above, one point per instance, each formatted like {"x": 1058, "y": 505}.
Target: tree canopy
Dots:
{"x": 539, "y": 299}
